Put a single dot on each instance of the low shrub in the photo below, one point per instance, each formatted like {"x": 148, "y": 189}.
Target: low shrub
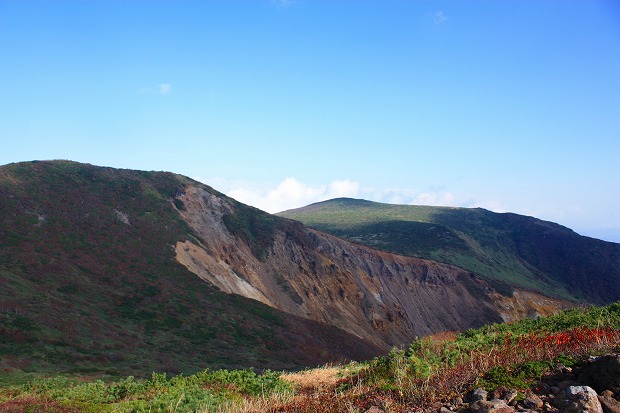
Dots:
{"x": 509, "y": 354}
{"x": 201, "y": 392}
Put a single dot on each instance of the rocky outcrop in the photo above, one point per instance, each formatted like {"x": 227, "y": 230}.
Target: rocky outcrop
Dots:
{"x": 592, "y": 388}
{"x": 386, "y": 298}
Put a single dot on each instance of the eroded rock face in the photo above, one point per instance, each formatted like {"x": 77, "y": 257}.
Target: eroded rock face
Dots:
{"x": 385, "y": 298}
{"x": 524, "y": 304}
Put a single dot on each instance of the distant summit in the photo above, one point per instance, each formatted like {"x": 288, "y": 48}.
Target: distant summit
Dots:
{"x": 513, "y": 249}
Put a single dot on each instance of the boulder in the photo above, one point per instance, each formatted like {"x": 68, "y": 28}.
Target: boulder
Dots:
{"x": 581, "y": 399}
{"x": 608, "y": 402}
{"x": 602, "y": 374}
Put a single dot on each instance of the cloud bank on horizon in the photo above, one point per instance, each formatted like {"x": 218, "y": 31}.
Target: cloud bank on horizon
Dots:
{"x": 291, "y": 193}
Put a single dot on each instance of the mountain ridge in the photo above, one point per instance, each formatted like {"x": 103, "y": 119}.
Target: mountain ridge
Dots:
{"x": 512, "y": 248}
{"x": 89, "y": 282}
{"x": 173, "y": 270}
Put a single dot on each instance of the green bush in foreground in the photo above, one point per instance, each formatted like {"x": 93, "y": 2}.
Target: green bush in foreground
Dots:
{"x": 202, "y": 392}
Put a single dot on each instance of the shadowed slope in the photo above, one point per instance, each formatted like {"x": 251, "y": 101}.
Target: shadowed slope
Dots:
{"x": 89, "y": 282}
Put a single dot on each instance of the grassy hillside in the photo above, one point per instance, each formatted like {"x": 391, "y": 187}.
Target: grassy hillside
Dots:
{"x": 89, "y": 283}
{"x": 515, "y": 249}
{"x": 430, "y": 372}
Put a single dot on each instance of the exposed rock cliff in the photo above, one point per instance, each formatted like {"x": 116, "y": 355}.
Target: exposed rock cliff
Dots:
{"x": 382, "y": 297}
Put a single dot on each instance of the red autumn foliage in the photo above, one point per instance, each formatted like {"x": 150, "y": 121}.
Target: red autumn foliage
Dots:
{"x": 448, "y": 382}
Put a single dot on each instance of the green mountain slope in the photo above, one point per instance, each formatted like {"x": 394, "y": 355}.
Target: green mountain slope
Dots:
{"x": 89, "y": 282}
{"x": 514, "y": 249}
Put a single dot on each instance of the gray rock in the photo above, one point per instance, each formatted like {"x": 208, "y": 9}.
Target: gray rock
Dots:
{"x": 581, "y": 399}
{"x": 478, "y": 394}
{"x": 577, "y": 392}
{"x": 374, "y": 409}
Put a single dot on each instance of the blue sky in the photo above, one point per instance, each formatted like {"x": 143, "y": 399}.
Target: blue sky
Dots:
{"x": 507, "y": 105}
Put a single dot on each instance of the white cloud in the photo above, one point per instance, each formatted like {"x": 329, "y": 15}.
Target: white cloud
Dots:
{"x": 291, "y": 193}
{"x": 164, "y": 88}
{"x": 440, "y": 17}
{"x": 345, "y": 188}
{"x": 288, "y": 194}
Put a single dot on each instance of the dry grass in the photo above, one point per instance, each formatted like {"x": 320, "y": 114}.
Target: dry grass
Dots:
{"x": 317, "y": 391}
{"x": 256, "y": 404}
{"x": 317, "y": 379}
{"x": 313, "y": 388}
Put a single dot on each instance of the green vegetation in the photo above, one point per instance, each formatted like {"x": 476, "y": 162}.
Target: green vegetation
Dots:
{"x": 513, "y": 249}
{"x": 432, "y": 369}
{"x": 255, "y": 227}
{"x": 426, "y": 356}
{"x": 206, "y": 391}
{"x": 436, "y": 369}
{"x": 93, "y": 301}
